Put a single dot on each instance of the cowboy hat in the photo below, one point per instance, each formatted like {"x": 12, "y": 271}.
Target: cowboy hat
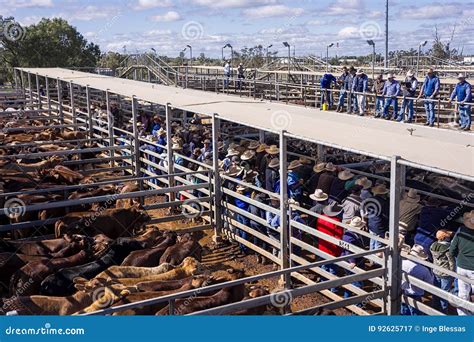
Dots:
{"x": 330, "y": 167}
{"x": 364, "y": 182}
{"x": 261, "y": 148}
{"x": 206, "y": 141}
{"x": 357, "y": 222}
{"x": 304, "y": 160}
{"x": 272, "y": 150}
{"x": 253, "y": 145}
{"x": 380, "y": 189}
{"x": 318, "y": 168}
{"x": 275, "y": 162}
{"x": 410, "y": 73}
{"x": 247, "y": 155}
{"x": 161, "y": 131}
{"x": 412, "y": 196}
{"x": 294, "y": 165}
{"x": 319, "y": 195}
{"x": 176, "y": 147}
{"x": 359, "y": 72}
{"x": 345, "y": 175}
{"x": 419, "y": 252}
{"x": 241, "y": 188}
{"x": 220, "y": 145}
{"x": 232, "y": 152}
{"x": 233, "y": 171}
{"x": 150, "y": 137}
{"x": 461, "y": 76}
{"x": 332, "y": 209}
{"x": 233, "y": 145}
{"x": 469, "y": 219}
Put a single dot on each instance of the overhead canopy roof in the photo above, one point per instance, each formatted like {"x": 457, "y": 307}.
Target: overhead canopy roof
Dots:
{"x": 447, "y": 150}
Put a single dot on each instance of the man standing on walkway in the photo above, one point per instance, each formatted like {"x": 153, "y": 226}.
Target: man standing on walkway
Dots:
{"x": 326, "y": 84}
{"x": 430, "y": 91}
{"x": 391, "y": 89}
{"x": 377, "y": 89}
{"x": 408, "y": 91}
{"x": 462, "y": 93}
{"x": 343, "y": 81}
{"x": 359, "y": 87}
{"x": 227, "y": 70}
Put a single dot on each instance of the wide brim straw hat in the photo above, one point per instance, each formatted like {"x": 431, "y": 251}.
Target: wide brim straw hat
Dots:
{"x": 357, "y": 222}
{"x": 380, "y": 189}
{"x": 261, "y": 148}
{"x": 247, "y": 155}
{"x": 319, "y": 196}
{"x": 330, "y": 167}
{"x": 233, "y": 171}
{"x": 320, "y": 167}
{"x": 364, "y": 182}
{"x": 253, "y": 145}
{"x": 345, "y": 175}
{"x": 419, "y": 252}
{"x": 412, "y": 196}
{"x": 294, "y": 165}
{"x": 273, "y": 150}
{"x": 232, "y": 152}
{"x": 275, "y": 162}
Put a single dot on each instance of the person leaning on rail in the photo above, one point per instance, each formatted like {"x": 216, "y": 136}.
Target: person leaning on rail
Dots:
{"x": 462, "y": 92}
{"x": 430, "y": 90}
{"x": 377, "y": 89}
{"x": 391, "y": 89}
{"x": 408, "y": 91}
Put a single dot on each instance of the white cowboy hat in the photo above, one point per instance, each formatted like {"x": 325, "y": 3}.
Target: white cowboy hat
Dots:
{"x": 357, "y": 222}
{"x": 380, "y": 189}
{"x": 273, "y": 150}
{"x": 275, "y": 162}
{"x": 330, "y": 167}
{"x": 345, "y": 175}
{"x": 320, "y": 167}
{"x": 419, "y": 252}
{"x": 232, "y": 152}
{"x": 412, "y": 196}
{"x": 319, "y": 195}
{"x": 390, "y": 75}
{"x": 410, "y": 73}
{"x": 294, "y": 165}
{"x": 359, "y": 72}
{"x": 253, "y": 145}
{"x": 247, "y": 155}
{"x": 364, "y": 182}
{"x": 461, "y": 76}
{"x": 468, "y": 219}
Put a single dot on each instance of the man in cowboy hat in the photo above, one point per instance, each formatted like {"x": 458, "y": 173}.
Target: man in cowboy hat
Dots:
{"x": 272, "y": 174}
{"x": 327, "y": 177}
{"x": 377, "y": 89}
{"x": 418, "y": 271}
{"x": 375, "y": 211}
{"x": 312, "y": 183}
{"x": 332, "y": 211}
{"x": 462, "y": 249}
{"x": 462, "y": 93}
{"x": 410, "y": 209}
{"x": 320, "y": 201}
{"x": 273, "y": 220}
{"x": 295, "y": 182}
{"x": 344, "y": 83}
{"x": 351, "y": 204}
{"x": 408, "y": 92}
{"x": 338, "y": 187}
{"x": 442, "y": 258}
{"x": 430, "y": 90}
{"x": 391, "y": 89}
{"x": 359, "y": 87}
{"x": 259, "y": 158}
{"x": 366, "y": 185}
{"x": 243, "y": 205}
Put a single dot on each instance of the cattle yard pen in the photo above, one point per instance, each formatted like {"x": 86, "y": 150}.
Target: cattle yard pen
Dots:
{"x": 64, "y": 98}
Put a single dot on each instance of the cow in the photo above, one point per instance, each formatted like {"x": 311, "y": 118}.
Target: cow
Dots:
{"x": 12, "y": 262}
{"x": 112, "y": 222}
{"x": 127, "y": 202}
{"x": 40, "y": 248}
{"x": 61, "y": 283}
{"x": 185, "y": 248}
{"x": 150, "y": 257}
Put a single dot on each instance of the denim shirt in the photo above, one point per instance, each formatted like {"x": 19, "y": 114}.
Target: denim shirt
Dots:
{"x": 430, "y": 86}
{"x": 391, "y": 88}
{"x": 462, "y": 92}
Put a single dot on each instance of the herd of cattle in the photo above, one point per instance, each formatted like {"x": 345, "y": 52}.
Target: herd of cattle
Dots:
{"x": 95, "y": 255}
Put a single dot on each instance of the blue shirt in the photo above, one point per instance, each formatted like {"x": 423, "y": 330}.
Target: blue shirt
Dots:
{"x": 391, "y": 89}
{"x": 418, "y": 271}
{"x": 359, "y": 83}
{"x": 346, "y": 81}
{"x": 462, "y": 92}
{"x": 430, "y": 86}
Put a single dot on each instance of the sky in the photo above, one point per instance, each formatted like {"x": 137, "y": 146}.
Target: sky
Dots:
{"x": 207, "y": 25}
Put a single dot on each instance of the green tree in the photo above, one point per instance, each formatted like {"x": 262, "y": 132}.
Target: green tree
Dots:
{"x": 111, "y": 60}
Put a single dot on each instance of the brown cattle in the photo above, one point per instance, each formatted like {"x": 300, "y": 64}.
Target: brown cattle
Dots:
{"x": 150, "y": 257}
{"x": 113, "y": 223}
{"x": 73, "y": 135}
{"x": 12, "y": 262}
{"x": 187, "y": 247}
{"x": 127, "y": 202}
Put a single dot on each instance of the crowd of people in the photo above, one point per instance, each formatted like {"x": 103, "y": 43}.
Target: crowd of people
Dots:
{"x": 335, "y": 195}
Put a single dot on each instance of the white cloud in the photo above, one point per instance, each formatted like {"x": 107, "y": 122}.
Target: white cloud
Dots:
{"x": 345, "y": 7}
{"x": 433, "y": 11}
{"x": 233, "y": 3}
{"x": 272, "y": 11}
{"x": 349, "y": 32}
{"x": 167, "y": 17}
{"x": 157, "y": 33}
{"x": 29, "y": 3}
{"x": 149, "y": 4}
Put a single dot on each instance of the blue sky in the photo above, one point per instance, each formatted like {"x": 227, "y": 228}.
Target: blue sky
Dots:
{"x": 207, "y": 25}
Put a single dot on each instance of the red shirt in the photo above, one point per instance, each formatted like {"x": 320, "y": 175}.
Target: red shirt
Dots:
{"x": 333, "y": 230}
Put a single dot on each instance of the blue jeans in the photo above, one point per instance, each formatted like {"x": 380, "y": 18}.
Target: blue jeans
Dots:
{"x": 407, "y": 106}
{"x": 444, "y": 283}
{"x": 354, "y": 104}
{"x": 374, "y": 244}
{"x": 408, "y": 310}
{"x": 378, "y": 105}
{"x": 332, "y": 269}
{"x": 390, "y": 102}
{"x": 243, "y": 234}
{"x": 430, "y": 111}
{"x": 342, "y": 98}
{"x": 326, "y": 96}
{"x": 465, "y": 115}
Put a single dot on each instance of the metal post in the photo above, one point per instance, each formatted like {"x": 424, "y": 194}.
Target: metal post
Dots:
{"x": 136, "y": 142}
{"x": 284, "y": 255}
{"x": 386, "y": 36}
{"x": 321, "y": 154}
{"x": 89, "y": 112}
{"x": 60, "y": 100}
{"x": 29, "y": 89}
{"x": 22, "y": 78}
{"x": 394, "y": 261}
{"x": 71, "y": 96}
{"x": 217, "y": 238}
{"x": 40, "y": 105}
{"x": 169, "y": 148}
{"x": 110, "y": 126}
{"x": 48, "y": 95}
{"x": 15, "y": 77}
{"x": 261, "y": 136}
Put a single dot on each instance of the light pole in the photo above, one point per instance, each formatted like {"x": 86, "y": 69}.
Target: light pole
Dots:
{"x": 327, "y": 56}
{"x": 372, "y": 43}
{"x": 386, "y": 36}
{"x": 190, "y": 54}
{"x": 419, "y": 53}
{"x": 289, "y": 58}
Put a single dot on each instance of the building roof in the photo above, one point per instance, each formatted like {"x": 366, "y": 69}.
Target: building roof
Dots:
{"x": 448, "y": 150}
